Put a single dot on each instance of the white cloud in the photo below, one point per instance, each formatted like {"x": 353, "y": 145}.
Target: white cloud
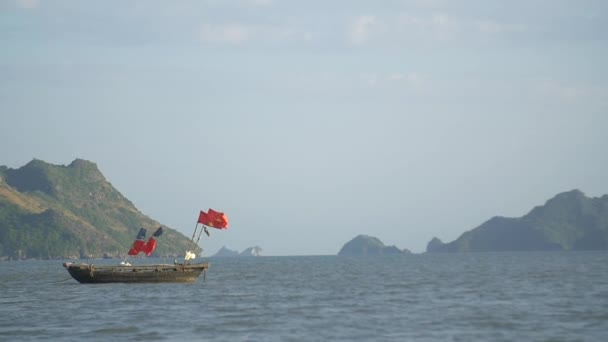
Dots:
{"x": 408, "y": 20}
{"x": 416, "y": 81}
{"x": 260, "y": 3}
{"x": 364, "y": 27}
{"x": 429, "y": 3}
{"x": 231, "y": 34}
{"x": 285, "y": 34}
{"x": 572, "y": 93}
{"x": 438, "y": 26}
{"x": 28, "y": 4}
{"x": 444, "y": 26}
{"x": 412, "y": 80}
{"x": 425, "y": 28}
{"x": 237, "y": 33}
{"x": 308, "y": 36}
{"x": 494, "y": 27}
{"x": 370, "y": 79}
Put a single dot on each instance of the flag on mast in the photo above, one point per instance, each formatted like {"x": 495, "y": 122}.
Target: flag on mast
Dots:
{"x": 211, "y": 218}
{"x": 214, "y": 219}
{"x": 139, "y": 245}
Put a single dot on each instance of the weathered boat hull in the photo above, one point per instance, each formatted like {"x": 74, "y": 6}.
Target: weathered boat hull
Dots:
{"x": 162, "y": 273}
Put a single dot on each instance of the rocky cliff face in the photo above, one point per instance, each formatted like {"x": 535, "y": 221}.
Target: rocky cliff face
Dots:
{"x": 434, "y": 245}
{"x": 225, "y": 252}
{"x": 249, "y": 252}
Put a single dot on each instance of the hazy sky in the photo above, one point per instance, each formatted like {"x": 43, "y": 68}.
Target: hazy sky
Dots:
{"x": 310, "y": 122}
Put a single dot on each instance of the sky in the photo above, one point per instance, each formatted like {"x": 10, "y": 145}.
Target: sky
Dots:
{"x": 311, "y": 122}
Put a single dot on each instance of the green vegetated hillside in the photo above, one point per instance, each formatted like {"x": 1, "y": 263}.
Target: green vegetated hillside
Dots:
{"x": 55, "y": 211}
{"x": 569, "y": 221}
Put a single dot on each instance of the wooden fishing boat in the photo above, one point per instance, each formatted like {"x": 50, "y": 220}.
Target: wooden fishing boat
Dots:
{"x": 185, "y": 272}
{"x": 161, "y": 273}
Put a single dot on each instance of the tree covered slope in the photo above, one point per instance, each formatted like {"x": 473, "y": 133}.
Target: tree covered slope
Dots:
{"x": 55, "y": 211}
{"x": 568, "y": 221}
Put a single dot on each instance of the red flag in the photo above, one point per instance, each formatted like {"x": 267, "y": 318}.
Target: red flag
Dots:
{"x": 218, "y": 220}
{"x": 203, "y": 218}
{"x": 138, "y": 246}
{"x": 213, "y": 219}
{"x": 150, "y": 246}
{"x": 142, "y": 246}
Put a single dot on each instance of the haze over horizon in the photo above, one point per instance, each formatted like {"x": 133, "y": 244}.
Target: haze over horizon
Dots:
{"x": 309, "y": 123}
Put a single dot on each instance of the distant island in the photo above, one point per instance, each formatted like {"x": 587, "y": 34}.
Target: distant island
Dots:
{"x": 54, "y": 211}
{"x": 568, "y": 221}
{"x": 369, "y": 245}
{"x": 249, "y": 252}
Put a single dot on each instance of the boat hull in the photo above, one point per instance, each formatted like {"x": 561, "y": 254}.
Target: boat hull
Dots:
{"x": 162, "y": 273}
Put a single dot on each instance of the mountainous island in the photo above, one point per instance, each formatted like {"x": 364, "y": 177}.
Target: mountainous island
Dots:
{"x": 568, "y": 221}
{"x": 251, "y": 251}
{"x": 369, "y": 245}
{"x": 53, "y": 211}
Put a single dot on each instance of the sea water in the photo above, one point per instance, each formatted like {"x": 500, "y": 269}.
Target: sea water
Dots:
{"x": 427, "y": 297}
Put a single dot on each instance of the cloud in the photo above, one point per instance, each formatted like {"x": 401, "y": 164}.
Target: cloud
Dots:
{"x": 444, "y": 26}
{"x": 494, "y": 27}
{"x": 308, "y": 36}
{"x": 260, "y": 3}
{"x": 427, "y": 28}
{"x": 364, "y": 28}
{"x": 572, "y": 93}
{"x": 231, "y": 33}
{"x": 369, "y": 79}
{"x": 413, "y": 81}
{"x": 285, "y": 34}
{"x": 238, "y": 34}
{"x": 28, "y": 4}
{"x": 416, "y": 81}
{"x": 436, "y": 26}
{"x": 429, "y": 3}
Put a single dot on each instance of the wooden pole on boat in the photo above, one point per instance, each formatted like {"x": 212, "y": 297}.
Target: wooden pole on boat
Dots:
{"x": 193, "y": 235}
{"x": 200, "y": 233}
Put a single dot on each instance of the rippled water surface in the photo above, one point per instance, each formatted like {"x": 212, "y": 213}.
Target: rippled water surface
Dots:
{"x": 461, "y": 297}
